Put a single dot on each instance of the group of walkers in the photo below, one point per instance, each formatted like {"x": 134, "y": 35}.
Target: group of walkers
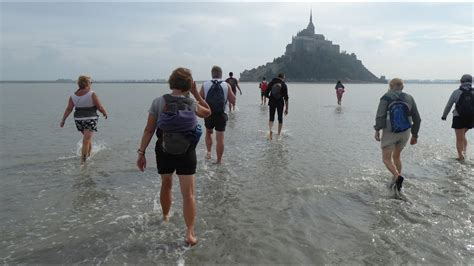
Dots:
{"x": 173, "y": 118}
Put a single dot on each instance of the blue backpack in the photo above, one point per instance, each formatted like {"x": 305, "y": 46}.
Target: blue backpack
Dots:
{"x": 215, "y": 98}
{"x": 177, "y": 125}
{"x": 465, "y": 104}
{"x": 399, "y": 112}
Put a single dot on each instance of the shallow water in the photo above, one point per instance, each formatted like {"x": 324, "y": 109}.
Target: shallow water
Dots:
{"x": 317, "y": 195}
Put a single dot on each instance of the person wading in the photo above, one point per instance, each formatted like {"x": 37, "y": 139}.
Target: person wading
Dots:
{"x": 397, "y": 116}
{"x": 86, "y": 103}
{"x": 173, "y": 118}
{"x": 463, "y": 113}
{"x": 217, "y": 93}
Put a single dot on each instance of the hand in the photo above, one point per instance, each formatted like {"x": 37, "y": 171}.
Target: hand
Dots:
{"x": 105, "y": 115}
{"x": 413, "y": 140}
{"x": 377, "y": 135}
{"x": 286, "y": 111}
{"x": 443, "y": 118}
{"x": 141, "y": 162}
{"x": 194, "y": 90}
{"x": 61, "y": 124}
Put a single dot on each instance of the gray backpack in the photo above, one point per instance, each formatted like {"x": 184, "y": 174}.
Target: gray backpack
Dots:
{"x": 176, "y": 125}
{"x": 276, "y": 91}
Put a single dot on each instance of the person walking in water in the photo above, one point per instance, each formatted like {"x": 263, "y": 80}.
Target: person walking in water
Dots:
{"x": 173, "y": 118}
{"x": 277, "y": 94}
{"x": 234, "y": 84}
{"x": 463, "y": 113}
{"x": 217, "y": 93}
{"x": 397, "y": 113}
{"x": 86, "y": 103}
{"x": 340, "y": 89}
{"x": 263, "y": 88}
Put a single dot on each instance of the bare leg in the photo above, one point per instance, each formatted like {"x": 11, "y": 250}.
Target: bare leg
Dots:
{"x": 280, "y": 126}
{"x": 461, "y": 142}
{"x": 86, "y": 140}
{"x": 387, "y": 160}
{"x": 396, "y": 158}
{"x": 189, "y": 206}
{"x": 208, "y": 142}
{"x": 270, "y": 127}
{"x": 465, "y": 142}
{"x": 219, "y": 145}
{"x": 90, "y": 149}
{"x": 166, "y": 195}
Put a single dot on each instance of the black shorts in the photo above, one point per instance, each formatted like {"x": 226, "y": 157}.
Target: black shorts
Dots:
{"x": 184, "y": 164}
{"x": 216, "y": 121}
{"x": 262, "y": 94}
{"x": 460, "y": 122}
{"x": 276, "y": 108}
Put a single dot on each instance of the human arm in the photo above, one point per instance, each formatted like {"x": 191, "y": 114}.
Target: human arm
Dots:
{"x": 238, "y": 87}
{"x": 203, "y": 109}
{"x": 146, "y": 138}
{"x": 285, "y": 97}
{"x": 98, "y": 104}
{"x": 416, "y": 121}
{"x": 452, "y": 100}
{"x": 381, "y": 116}
{"x": 67, "y": 112}
{"x": 230, "y": 94}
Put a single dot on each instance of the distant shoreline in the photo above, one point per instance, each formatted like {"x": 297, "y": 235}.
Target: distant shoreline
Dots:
{"x": 164, "y": 82}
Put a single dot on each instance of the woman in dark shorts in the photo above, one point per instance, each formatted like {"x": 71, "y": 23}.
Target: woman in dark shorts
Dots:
{"x": 181, "y": 84}
{"x": 86, "y": 103}
{"x": 461, "y": 124}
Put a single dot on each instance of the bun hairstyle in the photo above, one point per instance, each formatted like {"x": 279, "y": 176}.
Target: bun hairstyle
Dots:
{"x": 181, "y": 79}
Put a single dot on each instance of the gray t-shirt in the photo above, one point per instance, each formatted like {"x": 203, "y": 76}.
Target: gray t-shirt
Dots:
{"x": 159, "y": 103}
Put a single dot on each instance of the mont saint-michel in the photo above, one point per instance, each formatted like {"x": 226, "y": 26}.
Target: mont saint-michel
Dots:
{"x": 310, "y": 57}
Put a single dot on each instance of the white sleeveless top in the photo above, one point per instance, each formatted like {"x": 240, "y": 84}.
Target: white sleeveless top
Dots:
{"x": 207, "y": 86}
{"x": 83, "y": 101}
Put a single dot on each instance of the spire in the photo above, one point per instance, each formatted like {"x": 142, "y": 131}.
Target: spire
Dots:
{"x": 310, "y": 27}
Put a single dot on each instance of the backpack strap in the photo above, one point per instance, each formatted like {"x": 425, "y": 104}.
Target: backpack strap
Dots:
{"x": 183, "y": 103}
{"x": 216, "y": 82}
{"x": 389, "y": 99}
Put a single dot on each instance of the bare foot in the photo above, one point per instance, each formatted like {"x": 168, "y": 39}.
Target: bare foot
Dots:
{"x": 270, "y": 135}
{"x": 191, "y": 239}
{"x": 208, "y": 155}
{"x": 460, "y": 158}
{"x": 166, "y": 218}
{"x": 218, "y": 162}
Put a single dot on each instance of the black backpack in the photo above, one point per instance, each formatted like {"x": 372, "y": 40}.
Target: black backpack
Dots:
{"x": 276, "y": 91}
{"x": 216, "y": 98}
{"x": 465, "y": 104}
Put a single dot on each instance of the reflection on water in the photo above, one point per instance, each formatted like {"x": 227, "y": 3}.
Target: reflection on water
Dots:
{"x": 316, "y": 196}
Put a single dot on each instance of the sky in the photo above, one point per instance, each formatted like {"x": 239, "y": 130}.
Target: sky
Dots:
{"x": 147, "y": 40}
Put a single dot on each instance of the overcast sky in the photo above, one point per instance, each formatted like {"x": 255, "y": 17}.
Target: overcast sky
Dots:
{"x": 44, "y": 41}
